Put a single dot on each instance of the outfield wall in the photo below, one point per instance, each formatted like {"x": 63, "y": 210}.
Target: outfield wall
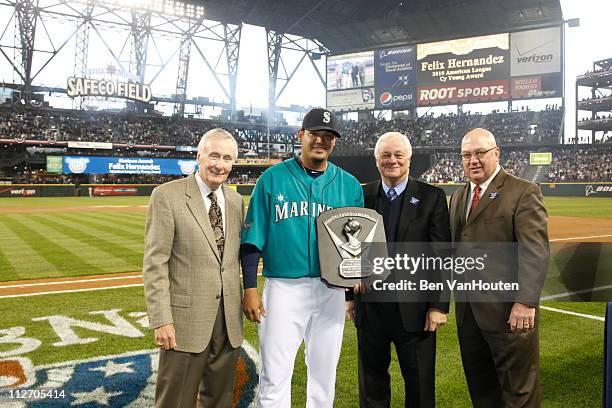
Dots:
{"x": 37, "y": 190}
{"x": 595, "y": 189}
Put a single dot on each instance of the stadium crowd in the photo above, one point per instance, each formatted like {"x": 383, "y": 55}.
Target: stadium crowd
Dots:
{"x": 511, "y": 129}
{"x": 447, "y": 167}
{"x": 427, "y": 130}
{"x": 447, "y": 130}
{"x": 584, "y": 163}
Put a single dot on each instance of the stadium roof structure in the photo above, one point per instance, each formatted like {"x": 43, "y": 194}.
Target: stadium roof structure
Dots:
{"x": 343, "y": 25}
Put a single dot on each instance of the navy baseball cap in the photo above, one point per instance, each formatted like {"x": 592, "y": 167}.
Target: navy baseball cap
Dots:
{"x": 321, "y": 119}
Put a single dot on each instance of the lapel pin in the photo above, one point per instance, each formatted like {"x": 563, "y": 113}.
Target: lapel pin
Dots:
{"x": 414, "y": 201}
{"x": 494, "y": 195}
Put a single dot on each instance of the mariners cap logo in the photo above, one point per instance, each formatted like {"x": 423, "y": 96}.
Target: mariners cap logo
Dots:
{"x": 321, "y": 119}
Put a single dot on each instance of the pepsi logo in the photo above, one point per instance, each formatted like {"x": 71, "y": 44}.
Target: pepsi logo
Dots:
{"x": 386, "y": 98}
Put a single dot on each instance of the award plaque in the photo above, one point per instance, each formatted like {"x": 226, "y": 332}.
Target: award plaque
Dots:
{"x": 345, "y": 236}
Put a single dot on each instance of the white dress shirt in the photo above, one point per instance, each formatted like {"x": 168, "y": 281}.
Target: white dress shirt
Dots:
{"x": 205, "y": 191}
{"x": 483, "y": 188}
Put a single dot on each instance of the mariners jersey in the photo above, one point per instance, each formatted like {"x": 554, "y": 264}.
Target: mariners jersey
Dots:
{"x": 281, "y": 217}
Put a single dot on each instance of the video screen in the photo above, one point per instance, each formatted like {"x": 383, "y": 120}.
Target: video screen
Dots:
{"x": 350, "y": 70}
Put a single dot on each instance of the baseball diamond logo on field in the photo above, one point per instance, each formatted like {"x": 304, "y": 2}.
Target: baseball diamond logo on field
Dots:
{"x": 118, "y": 380}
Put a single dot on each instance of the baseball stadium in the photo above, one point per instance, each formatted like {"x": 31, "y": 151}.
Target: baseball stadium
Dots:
{"x": 104, "y": 100}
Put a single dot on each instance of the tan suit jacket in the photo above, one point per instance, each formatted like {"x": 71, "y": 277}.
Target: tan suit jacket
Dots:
{"x": 510, "y": 210}
{"x": 184, "y": 279}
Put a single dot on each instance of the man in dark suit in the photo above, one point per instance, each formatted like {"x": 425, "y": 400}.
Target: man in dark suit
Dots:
{"x": 499, "y": 339}
{"x": 192, "y": 280}
{"x": 412, "y": 212}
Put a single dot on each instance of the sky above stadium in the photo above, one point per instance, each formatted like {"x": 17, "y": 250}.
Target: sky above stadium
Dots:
{"x": 584, "y": 44}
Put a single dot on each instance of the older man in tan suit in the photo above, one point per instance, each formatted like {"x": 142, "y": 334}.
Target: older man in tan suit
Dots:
{"x": 192, "y": 282}
{"x": 499, "y": 339}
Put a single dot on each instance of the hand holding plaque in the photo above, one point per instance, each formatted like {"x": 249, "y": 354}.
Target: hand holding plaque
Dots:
{"x": 343, "y": 256}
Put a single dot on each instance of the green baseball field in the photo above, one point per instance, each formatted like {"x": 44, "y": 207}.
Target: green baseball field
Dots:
{"x": 73, "y": 316}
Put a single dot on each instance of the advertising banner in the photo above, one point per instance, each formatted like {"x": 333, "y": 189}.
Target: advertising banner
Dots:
{"x": 351, "y": 99}
{"x": 395, "y": 73}
{"x": 536, "y": 64}
{"x": 116, "y": 190}
{"x": 463, "y": 92}
{"x": 19, "y": 191}
{"x": 537, "y": 86}
{"x": 540, "y": 159}
{"x": 350, "y": 70}
{"x": 54, "y": 164}
{"x": 466, "y": 70}
{"x": 186, "y": 149}
{"x": 536, "y": 52}
{"x": 89, "y": 145}
{"x": 126, "y": 165}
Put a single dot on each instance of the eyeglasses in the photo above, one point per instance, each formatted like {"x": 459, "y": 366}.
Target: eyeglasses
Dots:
{"x": 479, "y": 154}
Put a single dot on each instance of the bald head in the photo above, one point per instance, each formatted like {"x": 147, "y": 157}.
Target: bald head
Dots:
{"x": 479, "y": 134}
{"x": 480, "y": 155}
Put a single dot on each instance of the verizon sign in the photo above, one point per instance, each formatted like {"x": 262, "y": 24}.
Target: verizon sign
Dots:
{"x": 535, "y": 52}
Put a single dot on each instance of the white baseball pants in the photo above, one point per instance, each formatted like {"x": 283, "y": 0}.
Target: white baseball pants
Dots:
{"x": 299, "y": 310}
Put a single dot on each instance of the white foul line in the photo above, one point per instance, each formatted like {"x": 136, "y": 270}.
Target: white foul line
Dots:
{"x": 576, "y": 292}
{"x": 552, "y": 309}
{"x": 575, "y": 238}
{"x": 27, "y": 285}
{"x": 69, "y": 291}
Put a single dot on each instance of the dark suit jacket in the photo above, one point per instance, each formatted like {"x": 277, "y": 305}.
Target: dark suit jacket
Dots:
{"x": 515, "y": 212}
{"x": 428, "y": 221}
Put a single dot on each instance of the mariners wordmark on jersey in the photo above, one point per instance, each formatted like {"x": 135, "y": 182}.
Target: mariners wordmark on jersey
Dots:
{"x": 289, "y": 209}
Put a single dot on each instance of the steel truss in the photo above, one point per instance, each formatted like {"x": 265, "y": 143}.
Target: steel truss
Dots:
{"x": 88, "y": 15}
{"x": 279, "y": 69}
{"x": 25, "y": 11}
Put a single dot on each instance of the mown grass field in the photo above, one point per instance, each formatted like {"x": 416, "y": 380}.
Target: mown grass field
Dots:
{"x": 67, "y": 242}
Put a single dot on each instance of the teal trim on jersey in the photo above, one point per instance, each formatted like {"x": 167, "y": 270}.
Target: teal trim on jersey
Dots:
{"x": 281, "y": 217}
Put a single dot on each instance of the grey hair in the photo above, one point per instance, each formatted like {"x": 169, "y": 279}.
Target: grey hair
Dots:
{"x": 216, "y": 133}
{"x": 389, "y": 135}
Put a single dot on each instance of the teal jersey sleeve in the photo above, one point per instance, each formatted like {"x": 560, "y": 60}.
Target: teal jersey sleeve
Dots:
{"x": 256, "y": 223}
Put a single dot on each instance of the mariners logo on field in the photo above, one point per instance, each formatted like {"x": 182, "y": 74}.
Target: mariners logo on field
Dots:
{"x": 187, "y": 166}
{"x": 77, "y": 164}
{"x": 386, "y": 98}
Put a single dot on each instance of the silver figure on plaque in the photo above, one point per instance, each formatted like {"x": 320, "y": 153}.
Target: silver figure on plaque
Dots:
{"x": 345, "y": 237}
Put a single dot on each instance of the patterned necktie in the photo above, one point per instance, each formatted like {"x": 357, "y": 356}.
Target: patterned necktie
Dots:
{"x": 475, "y": 199}
{"x": 391, "y": 194}
{"x": 216, "y": 222}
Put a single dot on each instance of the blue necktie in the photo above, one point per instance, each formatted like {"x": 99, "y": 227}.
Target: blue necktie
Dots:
{"x": 391, "y": 194}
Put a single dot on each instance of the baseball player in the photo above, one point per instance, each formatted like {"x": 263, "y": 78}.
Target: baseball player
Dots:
{"x": 296, "y": 305}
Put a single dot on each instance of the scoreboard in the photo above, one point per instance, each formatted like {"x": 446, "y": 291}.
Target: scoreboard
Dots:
{"x": 520, "y": 65}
